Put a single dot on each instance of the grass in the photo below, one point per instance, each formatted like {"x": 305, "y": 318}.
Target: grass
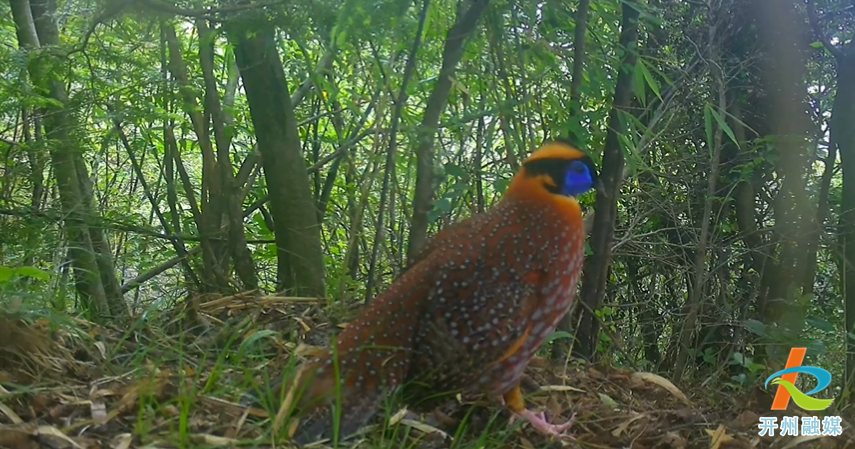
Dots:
{"x": 181, "y": 380}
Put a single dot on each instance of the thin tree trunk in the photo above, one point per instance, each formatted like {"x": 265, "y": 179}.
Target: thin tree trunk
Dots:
{"x": 579, "y": 54}
{"x": 300, "y": 258}
{"x": 455, "y": 44}
{"x": 561, "y": 347}
{"x": 595, "y": 269}
{"x": 230, "y": 192}
{"x": 781, "y": 31}
{"x": 695, "y": 304}
{"x": 176, "y": 239}
{"x": 210, "y": 218}
{"x": 400, "y": 103}
{"x": 843, "y": 116}
{"x": 94, "y": 276}
{"x": 842, "y": 135}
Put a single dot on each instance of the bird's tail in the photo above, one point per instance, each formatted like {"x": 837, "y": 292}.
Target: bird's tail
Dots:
{"x": 371, "y": 359}
{"x": 322, "y": 407}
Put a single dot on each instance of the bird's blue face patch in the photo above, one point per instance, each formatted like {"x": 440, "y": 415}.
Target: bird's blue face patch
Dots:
{"x": 578, "y": 179}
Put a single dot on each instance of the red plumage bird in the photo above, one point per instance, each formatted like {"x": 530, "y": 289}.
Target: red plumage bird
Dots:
{"x": 472, "y": 309}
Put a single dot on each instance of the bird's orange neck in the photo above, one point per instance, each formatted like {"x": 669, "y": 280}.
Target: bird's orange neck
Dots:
{"x": 531, "y": 190}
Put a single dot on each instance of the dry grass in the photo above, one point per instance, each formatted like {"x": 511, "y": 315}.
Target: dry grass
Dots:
{"x": 177, "y": 381}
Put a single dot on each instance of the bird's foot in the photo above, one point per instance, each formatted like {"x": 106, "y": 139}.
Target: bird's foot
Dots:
{"x": 539, "y": 422}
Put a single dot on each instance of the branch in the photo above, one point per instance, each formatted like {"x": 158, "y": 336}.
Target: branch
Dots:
{"x": 814, "y": 23}
{"x": 139, "y": 280}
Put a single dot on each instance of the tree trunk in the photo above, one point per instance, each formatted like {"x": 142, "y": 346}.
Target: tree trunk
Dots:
{"x": 782, "y": 33}
{"x": 560, "y": 348}
{"x": 595, "y": 269}
{"x": 230, "y": 192}
{"x": 209, "y": 220}
{"x": 89, "y": 250}
{"x": 842, "y": 133}
{"x": 455, "y": 44}
{"x": 300, "y": 266}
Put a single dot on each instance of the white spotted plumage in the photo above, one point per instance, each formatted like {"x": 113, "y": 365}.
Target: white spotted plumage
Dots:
{"x": 471, "y": 310}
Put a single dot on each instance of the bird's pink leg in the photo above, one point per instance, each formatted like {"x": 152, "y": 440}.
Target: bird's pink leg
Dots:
{"x": 537, "y": 420}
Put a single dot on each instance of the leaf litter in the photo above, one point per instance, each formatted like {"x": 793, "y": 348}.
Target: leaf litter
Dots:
{"x": 181, "y": 381}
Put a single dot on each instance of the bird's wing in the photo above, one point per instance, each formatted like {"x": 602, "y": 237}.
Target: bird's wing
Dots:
{"x": 485, "y": 287}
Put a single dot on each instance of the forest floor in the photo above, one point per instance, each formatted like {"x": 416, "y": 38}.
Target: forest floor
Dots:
{"x": 179, "y": 380}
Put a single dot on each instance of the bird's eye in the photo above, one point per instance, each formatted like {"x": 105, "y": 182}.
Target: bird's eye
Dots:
{"x": 578, "y": 167}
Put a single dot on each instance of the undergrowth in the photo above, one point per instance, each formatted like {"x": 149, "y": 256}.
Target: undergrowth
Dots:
{"x": 204, "y": 375}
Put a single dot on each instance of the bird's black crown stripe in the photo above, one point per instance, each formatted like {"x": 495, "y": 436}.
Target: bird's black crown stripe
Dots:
{"x": 556, "y": 168}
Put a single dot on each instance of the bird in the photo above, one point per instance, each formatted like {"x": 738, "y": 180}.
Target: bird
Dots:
{"x": 470, "y": 310}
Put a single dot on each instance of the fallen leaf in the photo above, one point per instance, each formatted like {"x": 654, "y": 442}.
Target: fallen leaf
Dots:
{"x": 398, "y": 416}
{"x": 170, "y": 410}
{"x": 607, "y": 400}
{"x": 746, "y": 420}
{"x": 664, "y": 383}
{"x": 213, "y": 440}
{"x": 674, "y": 440}
{"x": 53, "y": 437}
{"x": 718, "y": 436}
{"x": 306, "y": 327}
{"x": 444, "y": 419}
{"x": 102, "y": 350}
{"x": 122, "y": 441}
{"x": 304, "y": 350}
{"x": 621, "y": 428}
{"x": 98, "y": 410}
{"x": 292, "y": 427}
{"x": 233, "y": 431}
{"x": 560, "y": 388}
{"x": 4, "y": 409}
{"x": 424, "y": 428}
{"x": 89, "y": 443}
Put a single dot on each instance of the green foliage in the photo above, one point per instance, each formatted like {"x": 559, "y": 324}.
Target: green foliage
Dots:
{"x": 8, "y": 274}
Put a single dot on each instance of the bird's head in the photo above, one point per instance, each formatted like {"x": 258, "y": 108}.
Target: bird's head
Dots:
{"x": 560, "y": 168}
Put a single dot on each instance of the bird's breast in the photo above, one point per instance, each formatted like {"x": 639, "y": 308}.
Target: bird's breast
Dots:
{"x": 557, "y": 296}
